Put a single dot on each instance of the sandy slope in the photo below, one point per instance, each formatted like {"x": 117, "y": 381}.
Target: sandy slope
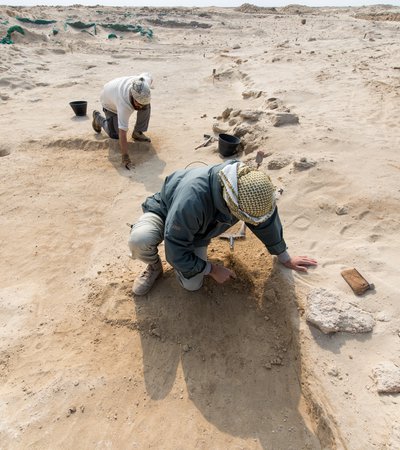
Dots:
{"x": 83, "y": 364}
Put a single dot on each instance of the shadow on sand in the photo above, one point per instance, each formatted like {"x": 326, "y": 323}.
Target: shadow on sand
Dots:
{"x": 237, "y": 350}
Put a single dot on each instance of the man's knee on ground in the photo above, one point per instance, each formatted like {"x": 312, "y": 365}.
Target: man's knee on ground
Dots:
{"x": 139, "y": 242}
{"x": 190, "y": 284}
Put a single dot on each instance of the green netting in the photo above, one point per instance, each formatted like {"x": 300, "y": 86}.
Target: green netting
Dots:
{"x": 112, "y": 36}
{"x": 7, "y": 38}
{"x": 4, "y": 22}
{"x": 35, "y": 21}
{"x": 132, "y": 28}
{"x": 80, "y": 25}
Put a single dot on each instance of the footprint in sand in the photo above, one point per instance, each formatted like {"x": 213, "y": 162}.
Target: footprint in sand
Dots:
{"x": 301, "y": 222}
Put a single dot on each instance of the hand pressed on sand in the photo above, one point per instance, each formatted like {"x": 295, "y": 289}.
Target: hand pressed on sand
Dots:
{"x": 221, "y": 273}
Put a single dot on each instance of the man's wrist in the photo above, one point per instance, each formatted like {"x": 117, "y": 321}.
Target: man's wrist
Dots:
{"x": 284, "y": 257}
{"x": 208, "y": 268}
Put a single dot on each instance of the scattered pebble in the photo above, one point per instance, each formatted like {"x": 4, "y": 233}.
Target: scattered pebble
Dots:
{"x": 71, "y": 410}
{"x": 304, "y": 164}
{"x": 387, "y": 377}
{"x": 341, "y": 210}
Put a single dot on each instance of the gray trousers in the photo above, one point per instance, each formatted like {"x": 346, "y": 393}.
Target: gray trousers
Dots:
{"x": 110, "y": 122}
{"x": 146, "y": 235}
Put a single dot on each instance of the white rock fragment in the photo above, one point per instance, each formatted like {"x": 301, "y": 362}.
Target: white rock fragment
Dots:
{"x": 250, "y": 114}
{"x": 218, "y": 128}
{"x": 242, "y": 129}
{"x": 383, "y": 316}
{"x": 251, "y": 94}
{"x": 280, "y": 119}
{"x": 330, "y": 314}
{"x": 387, "y": 377}
{"x": 278, "y": 163}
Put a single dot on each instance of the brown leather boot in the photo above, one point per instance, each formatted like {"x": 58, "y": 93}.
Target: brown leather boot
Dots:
{"x": 147, "y": 278}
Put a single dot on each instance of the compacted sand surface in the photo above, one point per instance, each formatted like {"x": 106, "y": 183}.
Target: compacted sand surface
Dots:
{"x": 245, "y": 365}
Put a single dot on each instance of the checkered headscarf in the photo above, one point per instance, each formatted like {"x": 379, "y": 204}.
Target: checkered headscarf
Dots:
{"x": 249, "y": 193}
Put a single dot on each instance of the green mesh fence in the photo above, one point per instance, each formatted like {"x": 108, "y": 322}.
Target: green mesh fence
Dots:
{"x": 80, "y": 25}
{"x": 132, "y": 28}
{"x": 7, "y": 38}
{"x": 35, "y": 21}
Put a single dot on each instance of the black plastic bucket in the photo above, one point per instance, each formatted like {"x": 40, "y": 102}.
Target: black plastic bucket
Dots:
{"x": 228, "y": 144}
{"x": 79, "y": 107}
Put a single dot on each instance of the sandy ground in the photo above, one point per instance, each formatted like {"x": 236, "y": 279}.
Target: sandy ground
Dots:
{"x": 85, "y": 365}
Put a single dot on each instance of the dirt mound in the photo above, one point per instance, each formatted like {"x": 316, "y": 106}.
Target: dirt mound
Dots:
{"x": 253, "y": 9}
{"x": 395, "y": 17}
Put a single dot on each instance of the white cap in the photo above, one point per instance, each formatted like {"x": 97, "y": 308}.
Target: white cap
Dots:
{"x": 140, "y": 88}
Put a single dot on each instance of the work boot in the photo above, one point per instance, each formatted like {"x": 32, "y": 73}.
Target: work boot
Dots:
{"x": 96, "y": 127}
{"x": 144, "y": 283}
{"x": 140, "y": 136}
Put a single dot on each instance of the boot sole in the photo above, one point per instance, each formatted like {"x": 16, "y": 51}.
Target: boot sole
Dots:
{"x": 95, "y": 127}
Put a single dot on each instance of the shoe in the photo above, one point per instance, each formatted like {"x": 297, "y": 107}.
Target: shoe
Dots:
{"x": 144, "y": 283}
{"x": 126, "y": 161}
{"x": 140, "y": 136}
{"x": 95, "y": 126}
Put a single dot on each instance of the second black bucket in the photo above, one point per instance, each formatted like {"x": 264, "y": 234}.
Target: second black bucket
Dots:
{"x": 79, "y": 107}
{"x": 228, "y": 144}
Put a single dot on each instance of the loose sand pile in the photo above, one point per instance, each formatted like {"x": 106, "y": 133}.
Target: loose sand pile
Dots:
{"x": 242, "y": 365}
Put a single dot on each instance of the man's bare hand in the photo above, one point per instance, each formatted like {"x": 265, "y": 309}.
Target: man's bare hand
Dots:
{"x": 221, "y": 273}
{"x": 300, "y": 263}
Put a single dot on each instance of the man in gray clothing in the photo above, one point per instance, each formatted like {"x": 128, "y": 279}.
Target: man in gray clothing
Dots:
{"x": 120, "y": 98}
{"x": 197, "y": 205}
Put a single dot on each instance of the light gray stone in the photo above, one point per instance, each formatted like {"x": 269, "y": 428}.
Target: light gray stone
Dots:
{"x": 251, "y": 94}
{"x": 282, "y": 118}
{"x": 218, "y": 128}
{"x": 387, "y": 377}
{"x": 242, "y": 129}
{"x": 250, "y": 114}
{"x": 330, "y": 314}
{"x": 278, "y": 163}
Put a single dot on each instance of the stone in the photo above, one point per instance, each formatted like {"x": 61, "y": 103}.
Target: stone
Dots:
{"x": 249, "y": 114}
{"x": 278, "y": 163}
{"x": 251, "y": 94}
{"x": 330, "y": 314}
{"x": 241, "y": 130}
{"x": 226, "y": 113}
{"x": 304, "y": 164}
{"x": 341, "y": 210}
{"x": 4, "y": 151}
{"x": 387, "y": 377}
{"x": 217, "y": 128}
{"x": 282, "y": 118}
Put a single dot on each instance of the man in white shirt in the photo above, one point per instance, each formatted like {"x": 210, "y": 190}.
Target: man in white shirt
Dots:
{"x": 120, "y": 98}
